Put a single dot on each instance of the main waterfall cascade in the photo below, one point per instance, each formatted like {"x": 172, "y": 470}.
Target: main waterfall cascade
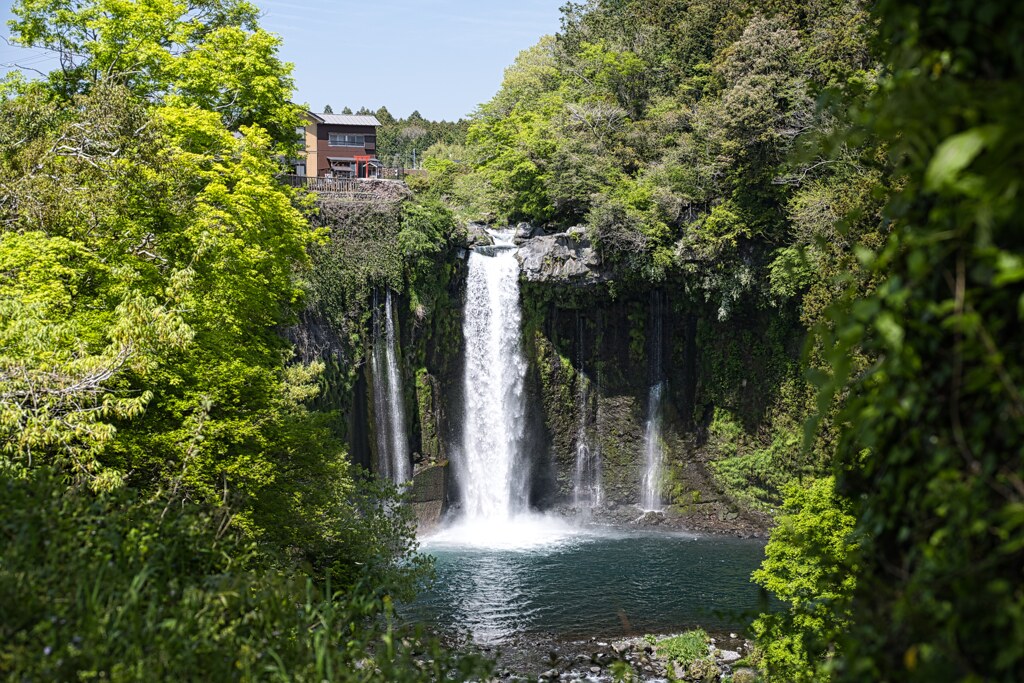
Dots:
{"x": 510, "y": 576}
{"x": 493, "y": 477}
{"x": 586, "y": 480}
{"x": 650, "y": 495}
{"x": 389, "y": 406}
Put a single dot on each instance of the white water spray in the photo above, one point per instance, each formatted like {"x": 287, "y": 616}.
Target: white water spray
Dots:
{"x": 650, "y": 487}
{"x": 389, "y": 407}
{"x": 586, "y": 490}
{"x": 493, "y": 478}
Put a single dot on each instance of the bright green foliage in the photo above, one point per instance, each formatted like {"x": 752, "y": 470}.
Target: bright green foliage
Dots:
{"x": 669, "y": 128}
{"x": 205, "y": 53}
{"x": 933, "y": 456}
{"x": 152, "y": 420}
{"x": 752, "y": 473}
{"x": 116, "y": 587}
{"x": 789, "y": 273}
{"x": 807, "y": 567}
{"x": 685, "y": 648}
{"x": 427, "y": 232}
{"x": 168, "y": 252}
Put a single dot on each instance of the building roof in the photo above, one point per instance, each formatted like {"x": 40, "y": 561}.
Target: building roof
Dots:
{"x": 345, "y": 119}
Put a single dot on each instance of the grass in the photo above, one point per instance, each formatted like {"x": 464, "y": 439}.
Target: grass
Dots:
{"x": 685, "y": 648}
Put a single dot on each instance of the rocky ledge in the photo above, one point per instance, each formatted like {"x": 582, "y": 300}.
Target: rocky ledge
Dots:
{"x": 561, "y": 258}
{"x": 565, "y": 257}
{"x": 698, "y": 519}
{"x": 649, "y": 658}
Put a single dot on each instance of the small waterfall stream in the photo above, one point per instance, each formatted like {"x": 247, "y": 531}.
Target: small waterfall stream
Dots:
{"x": 389, "y": 406}
{"x": 586, "y": 492}
{"x": 492, "y": 476}
{"x": 650, "y": 495}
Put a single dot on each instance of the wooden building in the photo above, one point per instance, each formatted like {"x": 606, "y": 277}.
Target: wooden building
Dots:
{"x": 340, "y": 146}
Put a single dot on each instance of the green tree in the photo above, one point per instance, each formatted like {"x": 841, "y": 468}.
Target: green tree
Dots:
{"x": 205, "y": 53}
{"x": 150, "y": 260}
{"x": 932, "y": 458}
{"x": 807, "y": 567}
{"x": 164, "y": 592}
{"x": 149, "y": 405}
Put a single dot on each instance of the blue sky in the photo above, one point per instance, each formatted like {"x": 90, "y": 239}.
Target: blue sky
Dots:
{"x": 442, "y": 57}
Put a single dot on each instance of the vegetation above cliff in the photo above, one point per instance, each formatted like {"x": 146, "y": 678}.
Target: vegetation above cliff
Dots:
{"x": 669, "y": 129}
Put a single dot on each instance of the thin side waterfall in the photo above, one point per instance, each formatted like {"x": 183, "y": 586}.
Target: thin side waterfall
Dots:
{"x": 586, "y": 491}
{"x": 650, "y": 495}
{"x": 389, "y": 407}
{"x": 493, "y": 478}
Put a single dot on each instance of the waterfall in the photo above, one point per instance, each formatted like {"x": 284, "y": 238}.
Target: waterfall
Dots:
{"x": 389, "y": 406}
{"x": 492, "y": 478}
{"x": 586, "y": 491}
{"x": 650, "y": 495}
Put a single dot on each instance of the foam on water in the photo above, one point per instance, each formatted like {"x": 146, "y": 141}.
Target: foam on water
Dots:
{"x": 526, "y": 532}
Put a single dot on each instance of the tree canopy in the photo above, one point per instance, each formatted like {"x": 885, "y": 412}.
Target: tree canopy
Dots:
{"x": 211, "y": 54}
{"x": 150, "y": 405}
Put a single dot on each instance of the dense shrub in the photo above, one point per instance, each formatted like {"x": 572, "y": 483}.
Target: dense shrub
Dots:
{"x": 116, "y": 587}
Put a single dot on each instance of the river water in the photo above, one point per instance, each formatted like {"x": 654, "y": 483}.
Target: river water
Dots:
{"x": 591, "y": 583}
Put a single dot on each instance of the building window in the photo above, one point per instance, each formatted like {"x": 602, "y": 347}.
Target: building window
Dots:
{"x": 345, "y": 140}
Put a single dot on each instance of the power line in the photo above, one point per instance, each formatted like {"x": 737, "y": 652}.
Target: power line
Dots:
{"x": 56, "y": 51}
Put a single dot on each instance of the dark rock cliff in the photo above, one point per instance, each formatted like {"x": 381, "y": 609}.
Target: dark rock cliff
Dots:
{"x": 589, "y": 339}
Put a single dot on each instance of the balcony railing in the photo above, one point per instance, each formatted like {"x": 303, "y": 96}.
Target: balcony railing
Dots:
{"x": 347, "y": 189}
{"x": 323, "y": 185}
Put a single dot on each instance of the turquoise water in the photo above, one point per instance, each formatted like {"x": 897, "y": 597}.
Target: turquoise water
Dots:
{"x": 589, "y": 584}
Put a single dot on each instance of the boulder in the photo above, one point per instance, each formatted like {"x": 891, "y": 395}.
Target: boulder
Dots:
{"x": 562, "y": 258}
{"x": 428, "y": 515}
{"x": 744, "y": 676}
{"x": 429, "y": 491}
{"x": 704, "y": 670}
{"x": 430, "y": 483}
{"x": 525, "y": 231}
{"x": 476, "y": 236}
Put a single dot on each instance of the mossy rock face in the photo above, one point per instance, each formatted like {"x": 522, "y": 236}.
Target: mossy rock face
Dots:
{"x": 561, "y": 412}
{"x": 430, "y": 484}
{"x": 620, "y": 429}
{"x": 428, "y": 408}
{"x": 590, "y": 352}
